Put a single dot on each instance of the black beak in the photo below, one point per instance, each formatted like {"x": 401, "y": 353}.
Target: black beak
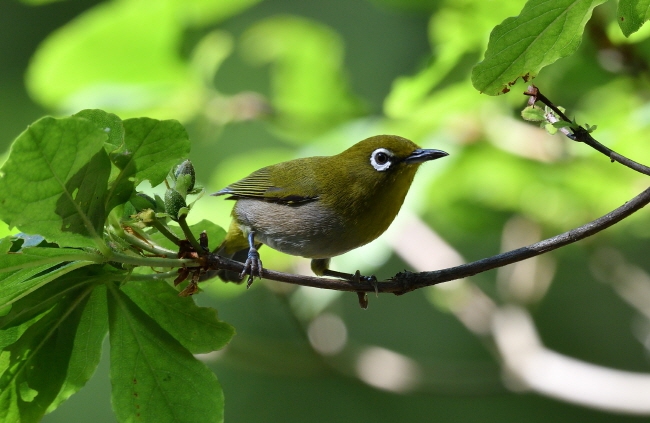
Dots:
{"x": 422, "y": 155}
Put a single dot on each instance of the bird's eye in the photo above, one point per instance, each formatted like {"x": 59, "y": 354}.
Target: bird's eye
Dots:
{"x": 380, "y": 159}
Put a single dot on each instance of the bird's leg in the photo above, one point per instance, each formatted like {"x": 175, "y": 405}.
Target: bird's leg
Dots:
{"x": 253, "y": 264}
{"x": 321, "y": 268}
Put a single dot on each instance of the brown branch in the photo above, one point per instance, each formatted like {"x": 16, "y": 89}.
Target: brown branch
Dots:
{"x": 580, "y": 134}
{"x": 407, "y": 281}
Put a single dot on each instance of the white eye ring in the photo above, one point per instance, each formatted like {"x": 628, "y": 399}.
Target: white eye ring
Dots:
{"x": 381, "y": 159}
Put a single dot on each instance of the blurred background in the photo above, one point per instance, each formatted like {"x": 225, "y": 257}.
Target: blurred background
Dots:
{"x": 564, "y": 337}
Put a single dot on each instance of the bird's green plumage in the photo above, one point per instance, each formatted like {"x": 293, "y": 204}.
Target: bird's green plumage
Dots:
{"x": 319, "y": 207}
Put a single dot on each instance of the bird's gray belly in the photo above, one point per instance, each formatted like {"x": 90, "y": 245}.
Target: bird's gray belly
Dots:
{"x": 309, "y": 230}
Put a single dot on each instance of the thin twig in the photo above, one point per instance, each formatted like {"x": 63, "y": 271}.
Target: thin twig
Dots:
{"x": 151, "y": 261}
{"x": 147, "y": 246}
{"x": 190, "y": 236}
{"x": 580, "y": 134}
{"x": 164, "y": 230}
{"x": 406, "y": 281}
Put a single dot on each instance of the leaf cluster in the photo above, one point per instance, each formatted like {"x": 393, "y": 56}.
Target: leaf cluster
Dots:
{"x": 92, "y": 269}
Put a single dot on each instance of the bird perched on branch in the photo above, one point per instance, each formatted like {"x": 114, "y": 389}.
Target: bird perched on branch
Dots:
{"x": 320, "y": 207}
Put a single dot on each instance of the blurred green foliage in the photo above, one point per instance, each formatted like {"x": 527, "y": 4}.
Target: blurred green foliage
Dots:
{"x": 260, "y": 82}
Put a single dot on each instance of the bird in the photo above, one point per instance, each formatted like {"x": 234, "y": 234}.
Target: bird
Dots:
{"x": 320, "y": 207}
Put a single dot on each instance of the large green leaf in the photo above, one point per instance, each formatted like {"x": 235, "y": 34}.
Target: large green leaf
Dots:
{"x": 107, "y": 122}
{"x": 154, "y": 378}
{"x": 38, "y": 342}
{"x": 545, "y": 31}
{"x": 197, "y": 328}
{"x": 25, "y": 271}
{"x": 632, "y": 14}
{"x": 151, "y": 148}
{"x": 124, "y": 56}
{"x": 87, "y": 346}
{"x": 54, "y": 182}
{"x": 37, "y": 256}
{"x": 108, "y": 58}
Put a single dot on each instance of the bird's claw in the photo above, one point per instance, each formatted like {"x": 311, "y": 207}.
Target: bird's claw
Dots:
{"x": 363, "y": 296}
{"x": 358, "y": 277}
{"x": 363, "y": 300}
{"x": 252, "y": 266}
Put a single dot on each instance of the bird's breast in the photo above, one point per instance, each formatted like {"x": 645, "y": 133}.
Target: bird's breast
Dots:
{"x": 310, "y": 229}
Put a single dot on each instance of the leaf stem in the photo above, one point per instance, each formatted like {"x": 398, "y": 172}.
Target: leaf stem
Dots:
{"x": 580, "y": 134}
{"x": 149, "y": 247}
{"x": 153, "y": 276}
{"x": 81, "y": 257}
{"x": 153, "y": 261}
{"x": 190, "y": 236}
{"x": 404, "y": 282}
{"x": 165, "y": 231}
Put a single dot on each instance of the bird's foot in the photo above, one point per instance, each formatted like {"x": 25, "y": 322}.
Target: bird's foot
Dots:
{"x": 363, "y": 300}
{"x": 252, "y": 266}
{"x": 358, "y": 277}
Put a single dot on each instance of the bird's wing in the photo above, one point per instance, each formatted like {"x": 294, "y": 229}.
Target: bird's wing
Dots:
{"x": 259, "y": 186}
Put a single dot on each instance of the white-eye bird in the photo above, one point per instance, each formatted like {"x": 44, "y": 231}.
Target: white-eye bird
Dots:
{"x": 320, "y": 207}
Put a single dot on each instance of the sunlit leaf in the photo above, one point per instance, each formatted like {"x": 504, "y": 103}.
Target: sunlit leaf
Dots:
{"x": 197, "y": 328}
{"x": 87, "y": 345}
{"x": 533, "y": 114}
{"x": 151, "y": 148}
{"x": 107, "y": 122}
{"x": 310, "y": 92}
{"x": 35, "y": 359}
{"x": 632, "y": 14}
{"x": 107, "y": 58}
{"x": 154, "y": 378}
{"x": 54, "y": 182}
{"x": 545, "y": 31}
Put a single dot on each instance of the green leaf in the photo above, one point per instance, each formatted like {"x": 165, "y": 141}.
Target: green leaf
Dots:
{"x": 54, "y": 182}
{"x": 87, "y": 346}
{"x": 197, "y": 328}
{"x": 18, "y": 284}
{"x": 38, "y": 256}
{"x": 552, "y": 130}
{"x": 151, "y": 148}
{"x": 562, "y": 124}
{"x": 310, "y": 93}
{"x": 126, "y": 70}
{"x": 154, "y": 378}
{"x": 632, "y": 14}
{"x": 49, "y": 295}
{"x": 107, "y": 122}
{"x": 107, "y": 58}
{"x": 38, "y": 337}
{"x": 533, "y": 114}
{"x": 545, "y": 31}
